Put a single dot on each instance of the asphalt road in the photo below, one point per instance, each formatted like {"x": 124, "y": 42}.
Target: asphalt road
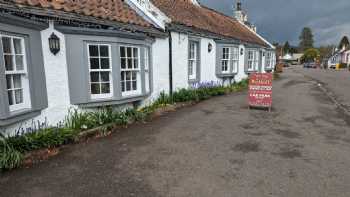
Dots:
{"x": 338, "y": 82}
{"x": 216, "y": 148}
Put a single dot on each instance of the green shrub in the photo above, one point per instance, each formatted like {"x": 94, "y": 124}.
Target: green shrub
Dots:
{"x": 9, "y": 157}
{"x": 44, "y": 138}
{"x": 343, "y": 65}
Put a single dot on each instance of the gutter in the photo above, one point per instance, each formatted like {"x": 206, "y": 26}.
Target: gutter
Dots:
{"x": 170, "y": 64}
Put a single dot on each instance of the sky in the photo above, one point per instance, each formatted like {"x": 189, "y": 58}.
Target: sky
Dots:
{"x": 283, "y": 20}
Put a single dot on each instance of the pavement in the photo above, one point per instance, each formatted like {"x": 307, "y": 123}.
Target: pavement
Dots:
{"x": 215, "y": 148}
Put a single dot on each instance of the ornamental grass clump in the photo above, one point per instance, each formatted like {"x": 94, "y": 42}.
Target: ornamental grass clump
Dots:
{"x": 9, "y": 157}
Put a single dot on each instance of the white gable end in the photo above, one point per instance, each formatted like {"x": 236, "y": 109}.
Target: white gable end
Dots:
{"x": 149, "y": 12}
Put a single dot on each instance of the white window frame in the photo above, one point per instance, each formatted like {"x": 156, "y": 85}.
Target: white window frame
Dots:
{"x": 26, "y": 103}
{"x": 194, "y": 60}
{"x": 107, "y": 95}
{"x": 226, "y": 60}
{"x": 268, "y": 61}
{"x": 146, "y": 69}
{"x": 235, "y": 59}
{"x": 138, "y": 90}
{"x": 252, "y": 60}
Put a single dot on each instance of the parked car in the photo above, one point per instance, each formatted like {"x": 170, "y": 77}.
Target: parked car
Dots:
{"x": 310, "y": 65}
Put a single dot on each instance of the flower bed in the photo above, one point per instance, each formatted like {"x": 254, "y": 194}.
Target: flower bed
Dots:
{"x": 81, "y": 125}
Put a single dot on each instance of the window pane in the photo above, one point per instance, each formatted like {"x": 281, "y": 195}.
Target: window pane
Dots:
{"x": 128, "y": 52}
{"x": 134, "y": 85}
{"x": 17, "y": 81}
{"x": 10, "y": 97}
{"x": 104, "y": 51}
{"x": 105, "y": 88}
{"x": 19, "y": 96}
{"x": 104, "y": 76}
{"x": 6, "y": 44}
{"x": 94, "y": 63}
{"x": 17, "y": 43}
{"x": 130, "y": 64}
{"x": 134, "y": 75}
{"x": 128, "y": 85}
{"x": 190, "y": 67}
{"x": 93, "y": 50}
{"x": 136, "y": 63}
{"x": 9, "y": 62}
{"x": 123, "y": 76}
{"x": 128, "y": 75}
{"x": 19, "y": 62}
{"x": 135, "y": 52}
{"x": 94, "y": 77}
{"x": 104, "y": 63}
{"x": 122, "y": 52}
{"x": 95, "y": 88}
{"x": 123, "y": 63}
{"x": 123, "y": 86}
{"x": 9, "y": 81}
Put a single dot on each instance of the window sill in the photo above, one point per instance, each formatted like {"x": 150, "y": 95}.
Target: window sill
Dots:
{"x": 109, "y": 102}
{"x": 251, "y": 71}
{"x": 226, "y": 74}
{"x": 19, "y": 115}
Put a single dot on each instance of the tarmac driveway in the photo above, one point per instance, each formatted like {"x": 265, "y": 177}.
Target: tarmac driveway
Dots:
{"x": 216, "y": 148}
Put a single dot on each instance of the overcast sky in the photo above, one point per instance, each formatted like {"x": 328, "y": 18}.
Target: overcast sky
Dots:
{"x": 282, "y": 20}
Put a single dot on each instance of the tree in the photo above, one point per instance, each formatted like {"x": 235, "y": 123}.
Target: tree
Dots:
{"x": 326, "y": 51}
{"x": 344, "y": 43}
{"x": 311, "y": 55}
{"x": 286, "y": 48}
{"x": 306, "y": 39}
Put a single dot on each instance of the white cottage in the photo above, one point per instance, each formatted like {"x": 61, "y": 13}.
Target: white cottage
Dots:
{"x": 58, "y": 55}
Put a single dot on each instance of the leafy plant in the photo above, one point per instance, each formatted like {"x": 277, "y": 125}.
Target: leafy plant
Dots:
{"x": 9, "y": 157}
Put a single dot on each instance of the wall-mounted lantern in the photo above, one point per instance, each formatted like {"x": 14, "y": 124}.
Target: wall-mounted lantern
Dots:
{"x": 54, "y": 44}
{"x": 242, "y": 51}
{"x": 210, "y": 47}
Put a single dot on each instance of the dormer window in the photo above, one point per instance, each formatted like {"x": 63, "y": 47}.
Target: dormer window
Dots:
{"x": 144, "y": 3}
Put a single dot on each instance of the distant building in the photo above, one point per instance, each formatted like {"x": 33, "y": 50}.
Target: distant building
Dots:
{"x": 242, "y": 16}
{"x": 339, "y": 56}
{"x": 294, "y": 59}
{"x": 297, "y": 58}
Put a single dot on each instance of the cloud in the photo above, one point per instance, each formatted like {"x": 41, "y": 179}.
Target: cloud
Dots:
{"x": 283, "y": 20}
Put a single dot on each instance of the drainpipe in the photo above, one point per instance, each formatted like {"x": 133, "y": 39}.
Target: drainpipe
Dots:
{"x": 170, "y": 64}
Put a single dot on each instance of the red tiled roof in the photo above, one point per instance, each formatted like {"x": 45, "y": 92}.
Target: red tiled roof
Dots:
{"x": 113, "y": 10}
{"x": 184, "y": 12}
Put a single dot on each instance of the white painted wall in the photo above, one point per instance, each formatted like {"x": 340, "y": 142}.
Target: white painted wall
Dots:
{"x": 241, "y": 73}
{"x": 208, "y": 61}
{"x": 160, "y": 60}
{"x": 180, "y": 63}
{"x": 56, "y": 83}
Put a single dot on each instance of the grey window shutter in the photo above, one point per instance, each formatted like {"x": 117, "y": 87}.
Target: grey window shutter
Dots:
{"x": 36, "y": 72}
{"x": 115, "y": 55}
{"x": 198, "y": 67}
{"x": 78, "y": 71}
{"x": 218, "y": 58}
{"x": 188, "y": 62}
{"x": 246, "y": 59}
{"x": 4, "y": 110}
{"x": 231, "y": 58}
{"x": 142, "y": 69}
